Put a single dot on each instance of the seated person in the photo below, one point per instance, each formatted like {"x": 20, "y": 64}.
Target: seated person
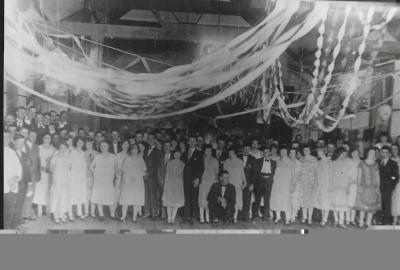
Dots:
{"x": 222, "y": 199}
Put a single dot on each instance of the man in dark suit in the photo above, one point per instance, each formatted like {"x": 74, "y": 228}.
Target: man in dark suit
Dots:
{"x": 389, "y": 177}
{"x": 220, "y": 153}
{"x": 115, "y": 145}
{"x": 264, "y": 172}
{"x": 25, "y": 181}
{"x": 249, "y": 167}
{"x": 32, "y": 151}
{"x": 194, "y": 168}
{"x": 152, "y": 158}
{"x": 222, "y": 199}
{"x": 166, "y": 156}
{"x": 20, "y": 117}
{"x": 39, "y": 126}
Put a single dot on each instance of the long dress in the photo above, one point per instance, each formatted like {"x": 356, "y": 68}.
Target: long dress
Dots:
{"x": 89, "y": 156}
{"x": 235, "y": 168}
{"x": 339, "y": 192}
{"x": 324, "y": 179}
{"x": 119, "y": 161}
{"x": 368, "y": 195}
{"x": 103, "y": 173}
{"x": 307, "y": 180}
{"x": 132, "y": 184}
{"x": 173, "y": 195}
{"x": 295, "y": 184}
{"x": 42, "y": 188}
{"x": 60, "y": 177}
{"x": 353, "y": 171}
{"x": 396, "y": 196}
{"x": 280, "y": 194}
{"x": 78, "y": 182}
{"x": 209, "y": 177}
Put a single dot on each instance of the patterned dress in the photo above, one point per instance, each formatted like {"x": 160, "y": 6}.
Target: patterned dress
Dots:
{"x": 89, "y": 156}
{"x": 209, "y": 177}
{"x": 173, "y": 195}
{"x": 119, "y": 161}
{"x": 340, "y": 185}
{"x": 324, "y": 180}
{"x": 235, "y": 168}
{"x": 368, "y": 195}
{"x": 353, "y": 172}
{"x": 307, "y": 180}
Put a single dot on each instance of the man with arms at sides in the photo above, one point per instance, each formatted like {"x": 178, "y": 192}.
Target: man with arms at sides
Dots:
{"x": 25, "y": 179}
{"x": 194, "y": 168}
{"x": 263, "y": 178}
{"x": 220, "y": 153}
{"x": 12, "y": 175}
{"x": 152, "y": 158}
{"x": 222, "y": 199}
{"x": 389, "y": 177}
{"x": 115, "y": 145}
{"x": 166, "y": 156}
{"x": 249, "y": 167}
{"x": 32, "y": 150}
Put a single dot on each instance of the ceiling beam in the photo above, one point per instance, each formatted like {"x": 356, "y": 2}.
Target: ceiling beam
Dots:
{"x": 218, "y": 35}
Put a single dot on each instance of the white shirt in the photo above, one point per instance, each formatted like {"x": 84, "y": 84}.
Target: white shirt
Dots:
{"x": 385, "y": 161}
{"x": 151, "y": 149}
{"x": 19, "y": 122}
{"x": 115, "y": 145}
{"x": 245, "y": 157}
{"x": 223, "y": 188}
{"x": 266, "y": 168}
{"x": 191, "y": 151}
{"x": 257, "y": 154}
{"x": 12, "y": 167}
{"x": 167, "y": 157}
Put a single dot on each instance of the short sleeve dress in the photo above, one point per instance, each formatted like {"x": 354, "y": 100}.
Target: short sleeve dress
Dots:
{"x": 173, "y": 195}
{"x": 103, "y": 186}
{"x": 368, "y": 196}
{"x": 209, "y": 177}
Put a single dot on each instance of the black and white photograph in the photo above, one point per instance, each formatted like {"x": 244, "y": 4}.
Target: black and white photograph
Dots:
{"x": 201, "y": 116}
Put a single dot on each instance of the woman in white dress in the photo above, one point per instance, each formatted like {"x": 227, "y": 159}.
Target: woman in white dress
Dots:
{"x": 235, "y": 167}
{"x": 294, "y": 184}
{"x": 354, "y": 161}
{"x": 173, "y": 197}
{"x": 324, "y": 178}
{"x": 209, "y": 177}
{"x": 90, "y": 153}
{"x": 42, "y": 187}
{"x": 60, "y": 177}
{"x": 339, "y": 193}
{"x": 280, "y": 193}
{"x": 119, "y": 161}
{"x": 132, "y": 184}
{"x": 396, "y": 192}
{"x": 103, "y": 167}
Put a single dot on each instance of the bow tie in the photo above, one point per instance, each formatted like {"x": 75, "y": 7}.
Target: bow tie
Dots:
{"x": 266, "y": 160}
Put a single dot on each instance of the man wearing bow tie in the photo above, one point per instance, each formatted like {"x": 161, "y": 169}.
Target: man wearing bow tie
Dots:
{"x": 264, "y": 177}
{"x": 222, "y": 199}
{"x": 389, "y": 177}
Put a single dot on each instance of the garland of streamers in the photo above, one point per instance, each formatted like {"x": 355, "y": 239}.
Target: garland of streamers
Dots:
{"x": 136, "y": 96}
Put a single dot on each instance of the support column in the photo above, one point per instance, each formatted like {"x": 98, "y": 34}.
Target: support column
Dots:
{"x": 395, "y": 119}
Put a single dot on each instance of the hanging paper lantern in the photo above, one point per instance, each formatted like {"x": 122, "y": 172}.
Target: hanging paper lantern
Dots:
{"x": 385, "y": 111}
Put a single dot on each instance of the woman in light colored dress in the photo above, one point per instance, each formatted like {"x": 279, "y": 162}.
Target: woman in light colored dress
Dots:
{"x": 209, "y": 177}
{"x": 42, "y": 188}
{"x": 340, "y": 186}
{"x": 307, "y": 178}
{"x": 119, "y": 161}
{"x": 235, "y": 167}
{"x": 173, "y": 197}
{"x": 294, "y": 184}
{"x": 60, "y": 177}
{"x": 368, "y": 199}
{"x": 103, "y": 167}
{"x": 90, "y": 153}
{"x": 323, "y": 184}
{"x": 78, "y": 182}
{"x": 132, "y": 184}
{"x": 280, "y": 194}
{"x": 354, "y": 161}
{"x": 396, "y": 192}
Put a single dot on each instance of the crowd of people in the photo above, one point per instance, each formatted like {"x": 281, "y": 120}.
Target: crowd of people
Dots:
{"x": 51, "y": 169}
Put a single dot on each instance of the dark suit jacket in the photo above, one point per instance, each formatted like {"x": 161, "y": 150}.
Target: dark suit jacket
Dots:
{"x": 249, "y": 169}
{"x": 224, "y": 156}
{"x": 152, "y": 161}
{"x": 34, "y": 161}
{"x": 40, "y": 130}
{"x": 216, "y": 191}
{"x": 111, "y": 147}
{"x": 194, "y": 167}
{"x": 26, "y": 168}
{"x": 162, "y": 168}
{"x": 258, "y": 164}
{"x": 389, "y": 175}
